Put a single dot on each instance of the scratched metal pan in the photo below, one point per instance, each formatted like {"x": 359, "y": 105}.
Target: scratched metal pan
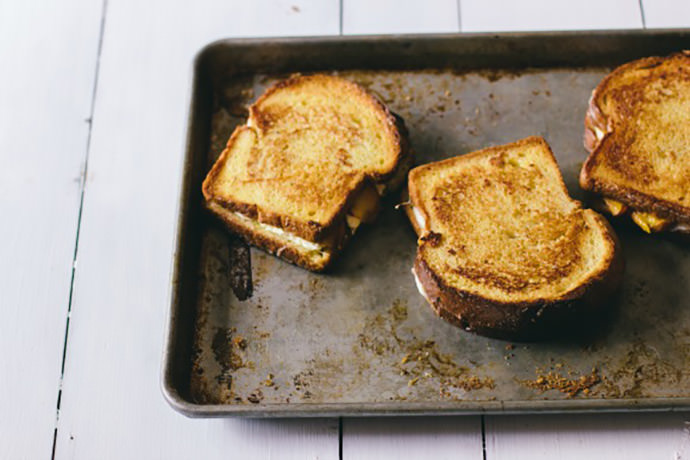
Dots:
{"x": 360, "y": 340}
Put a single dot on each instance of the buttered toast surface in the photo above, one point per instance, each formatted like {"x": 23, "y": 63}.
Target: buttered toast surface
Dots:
{"x": 503, "y": 247}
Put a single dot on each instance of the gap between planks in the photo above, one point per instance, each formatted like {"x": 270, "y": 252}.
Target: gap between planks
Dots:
{"x": 82, "y": 187}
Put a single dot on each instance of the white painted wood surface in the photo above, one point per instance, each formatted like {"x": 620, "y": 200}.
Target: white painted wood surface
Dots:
{"x": 439, "y": 438}
{"x": 112, "y": 405}
{"x": 445, "y": 437}
{"x": 399, "y": 16}
{"x": 666, "y": 13}
{"x": 594, "y": 437}
{"x": 47, "y": 62}
{"x": 501, "y": 15}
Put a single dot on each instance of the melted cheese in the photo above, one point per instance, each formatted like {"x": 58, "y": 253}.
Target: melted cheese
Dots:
{"x": 615, "y": 207}
{"x": 648, "y": 221}
{"x": 420, "y": 288}
{"x": 365, "y": 206}
{"x": 685, "y": 228}
{"x": 352, "y": 222}
{"x": 291, "y": 237}
{"x": 419, "y": 217}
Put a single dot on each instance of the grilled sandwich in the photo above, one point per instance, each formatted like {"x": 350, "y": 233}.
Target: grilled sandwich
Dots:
{"x": 637, "y": 130}
{"x": 502, "y": 248}
{"x": 310, "y": 165}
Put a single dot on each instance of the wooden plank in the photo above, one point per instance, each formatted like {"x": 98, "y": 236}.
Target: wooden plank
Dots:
{"x": 112, "y": 403}
{"x": 382, "y": 438}
{"x": 399, "y": 16}
{"x": 47, "y": 61}
{"x": 499, "y": 15}
{"x": 666, "y": 13}
{"x": 439, "y": 438}
{"x": 602, "y": 436}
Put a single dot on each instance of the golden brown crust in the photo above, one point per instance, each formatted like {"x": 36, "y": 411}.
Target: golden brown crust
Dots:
{"x": 394, "y": 125}
{"x": 207, "y": 185}
{"x": 613, "y": 140}
{"x": 524, "y": 297}
{"x": 309, "y": 230}
{"x": 528, "y": 320}
{"x": 414, "y": 174}
{"x": 281, "y": 248}
{"x": 348, "y": 184}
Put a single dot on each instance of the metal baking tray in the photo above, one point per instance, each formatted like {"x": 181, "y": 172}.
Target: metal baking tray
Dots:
{"x": 360, "y": 340}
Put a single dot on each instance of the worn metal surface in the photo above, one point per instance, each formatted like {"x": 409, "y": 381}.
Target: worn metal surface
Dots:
{"x": 361, "y": 340}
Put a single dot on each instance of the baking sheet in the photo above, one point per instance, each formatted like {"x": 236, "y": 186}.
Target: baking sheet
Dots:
{"x": 360, "y": 339}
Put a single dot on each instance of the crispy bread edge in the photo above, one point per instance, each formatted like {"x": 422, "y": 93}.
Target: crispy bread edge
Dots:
{"x": 595, "y": 118}
{"x": 414, "y": 192}
{"x": 526, "y": 321}
{"x": 310, "y": 230}
{"x": 209, "y": 180}
{"x": 277, "y": 247}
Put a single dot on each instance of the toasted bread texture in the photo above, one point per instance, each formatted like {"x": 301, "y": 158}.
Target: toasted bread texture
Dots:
{"x": 637, "y": 129}
{"x": 314, "y": 149}
{"x": 312, "y": 256}
{"x": 503, "y": 250}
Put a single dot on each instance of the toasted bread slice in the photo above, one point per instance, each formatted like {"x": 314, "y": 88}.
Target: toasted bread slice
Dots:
{"x": 308, "y": 167}
{"x": 503, "y": 249}
{"x": 637, "y": 129}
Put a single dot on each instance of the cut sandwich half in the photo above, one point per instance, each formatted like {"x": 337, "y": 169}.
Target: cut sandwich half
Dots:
{"x": 637, "y": 129}
{"x": 308, "y": 168}
{"x": 503, "y": 250}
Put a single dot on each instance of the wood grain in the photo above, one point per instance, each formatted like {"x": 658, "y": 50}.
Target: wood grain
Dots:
{"x": 499, "y": 15}
{"x": 399, "y": 16}
{"x": 47, "y": 62}
{"x": 112, "y": 403}
{"x": 440, "y": 438}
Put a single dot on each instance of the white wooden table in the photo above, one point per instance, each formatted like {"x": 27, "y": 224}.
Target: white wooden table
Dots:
{"x": 93, "y": 102}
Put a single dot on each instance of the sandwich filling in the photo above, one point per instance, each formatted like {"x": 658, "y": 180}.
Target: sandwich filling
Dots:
{"x": 419, "y": 218}
{"x": 291, "y": 237}
{"x": 649, "y": 222}
{"x": 420, "y": 288}
{"x": 365, "y": 208}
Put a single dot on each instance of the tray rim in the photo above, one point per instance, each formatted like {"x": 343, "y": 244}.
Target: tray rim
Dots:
{"x": 357, "y": 409}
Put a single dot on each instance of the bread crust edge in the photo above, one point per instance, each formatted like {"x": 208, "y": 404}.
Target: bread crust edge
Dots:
{"x": 311, "y": 230}
{"x": 533, "y": 320}
{"x": 596, "y": 118}
{"x": 281, "y": 249}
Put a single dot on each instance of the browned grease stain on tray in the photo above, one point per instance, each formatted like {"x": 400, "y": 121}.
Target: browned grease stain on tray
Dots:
{"x": 418, "y": 360}
{"x": 375, "y": 339}
{"x": 569, "y": 385}
{"x": 634, "y": 375}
